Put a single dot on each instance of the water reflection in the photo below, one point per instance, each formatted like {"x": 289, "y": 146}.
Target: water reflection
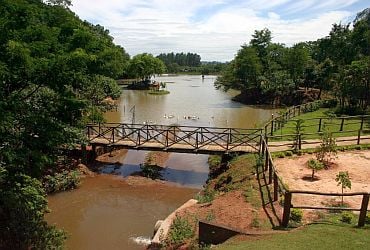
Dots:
{"x": 182, "y": 169}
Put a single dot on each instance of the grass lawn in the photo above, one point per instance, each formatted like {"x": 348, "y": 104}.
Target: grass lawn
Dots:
{"x": 310, "y": 126}
{"x": 159, "y": 92}
{"x": 315, "y": 236}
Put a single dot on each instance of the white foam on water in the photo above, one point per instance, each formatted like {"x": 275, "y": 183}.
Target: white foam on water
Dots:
{"x": 141, "y": 240}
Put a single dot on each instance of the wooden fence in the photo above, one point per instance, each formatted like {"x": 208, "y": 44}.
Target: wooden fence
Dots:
{"x": 182, "y": 138}
{"x": 279, "y": 189}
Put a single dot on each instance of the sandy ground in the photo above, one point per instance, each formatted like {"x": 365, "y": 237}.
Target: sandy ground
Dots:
{"x": 294, "y": 169}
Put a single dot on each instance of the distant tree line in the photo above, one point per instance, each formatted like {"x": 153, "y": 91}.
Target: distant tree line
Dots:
{"x": 174, "y": 61}
{"x": 267, "y": 72}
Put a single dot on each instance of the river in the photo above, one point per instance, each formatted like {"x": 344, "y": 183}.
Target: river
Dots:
{"x": 108, "y": 213}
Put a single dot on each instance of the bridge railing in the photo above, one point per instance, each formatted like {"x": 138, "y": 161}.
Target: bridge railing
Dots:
{"x": 167, "y": 136}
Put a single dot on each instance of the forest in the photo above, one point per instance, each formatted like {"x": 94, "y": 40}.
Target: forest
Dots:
{"x": 336, "y": 65}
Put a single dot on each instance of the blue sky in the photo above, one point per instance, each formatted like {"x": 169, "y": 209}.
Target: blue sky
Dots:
{"x": 214, "y": 29}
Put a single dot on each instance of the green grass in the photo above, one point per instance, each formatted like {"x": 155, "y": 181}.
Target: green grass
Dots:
{"x": 315, "y": 236}
{"x": 311, "y": 126}
{"x": 159, "y": 92}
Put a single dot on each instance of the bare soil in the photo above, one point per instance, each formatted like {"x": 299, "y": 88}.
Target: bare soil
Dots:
{"x": 230, "y": 210}
{"x": 294, "y": 172}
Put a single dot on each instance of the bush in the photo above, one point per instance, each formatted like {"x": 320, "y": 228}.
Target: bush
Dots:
{"x": 151, "y": 171}
{"x": 65, "y": 180}
{"x": 329, "y": 103}
{"x": 296, "y": 215}
{"x": 288, "y": 153}
{"x": 346, "y": 217}
{"x": 367, "y": 219}
{"x": 180, "y": 231}
{"x": 23, "y": 205}
{"x": 205, "y": 197}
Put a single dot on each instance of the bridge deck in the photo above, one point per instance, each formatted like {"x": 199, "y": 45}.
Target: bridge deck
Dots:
{"x": 177, "y": 147}
{"x": 182, "y": 139}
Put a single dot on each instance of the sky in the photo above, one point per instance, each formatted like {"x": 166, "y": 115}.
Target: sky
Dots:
{"x": 214, "y": 29}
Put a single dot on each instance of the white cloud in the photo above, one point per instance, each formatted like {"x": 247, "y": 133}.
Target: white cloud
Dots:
{"x": 220, "y": 27}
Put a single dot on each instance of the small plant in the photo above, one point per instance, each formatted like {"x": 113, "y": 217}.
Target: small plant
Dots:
{"x": 210, "y": 216}
{"x": 344, "y": 181}
{"x": 205, "y": 197}
{"x": 346, "y": 217}
{"x": 327, "y": 151}
{"x": 180, "y": 231}
{"x": 151, "y": 171}
{"x": 288, "y": 153}
{"x": 296, "y": 215}
{"x": 367, "y": 219}
{"x": 314, "y": 165}
{"x": 255, "y": 223}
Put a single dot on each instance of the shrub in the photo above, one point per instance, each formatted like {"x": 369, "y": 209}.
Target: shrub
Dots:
{"x": 346, "y": 217}
{"x": 205, "y": 197}
{"x": 314, "y": 165}
{"x": 288, "y": 153}
{"x": 180, "y": 231}
{"x": 296, "y": 215}
{"x": 65, "y": 180}
{"x": 367, "y": 219}
{"x": 330, "y": 103}
{"x": 151, "y": 171}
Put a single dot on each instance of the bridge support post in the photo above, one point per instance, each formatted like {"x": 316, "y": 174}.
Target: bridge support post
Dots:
{"x": 84, "y": 154}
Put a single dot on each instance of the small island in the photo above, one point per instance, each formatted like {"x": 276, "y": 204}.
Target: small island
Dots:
{"x": 158, "y": 88}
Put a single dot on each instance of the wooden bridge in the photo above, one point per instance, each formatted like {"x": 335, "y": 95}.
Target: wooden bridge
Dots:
{"x": 173, "y": 138}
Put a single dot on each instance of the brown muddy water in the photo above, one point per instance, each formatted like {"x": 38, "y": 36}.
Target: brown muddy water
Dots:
{"x": 108, "y": 213}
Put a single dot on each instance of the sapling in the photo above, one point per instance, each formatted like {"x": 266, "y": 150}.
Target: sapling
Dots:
{"x": 344, "y": 181}
{"x": 327, "y": 151}
{"x": 314, "y": 165}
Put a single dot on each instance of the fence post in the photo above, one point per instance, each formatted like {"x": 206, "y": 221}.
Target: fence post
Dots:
{"x": 272, "y": 124}
{"x": 341, "y": 125}
{"x": 359, "y": 137}
{"x": 299, "y": 110}
{"x": 364, "y": 204}
{"x": 113, "y": 134}
{"x": 362, "y": 123}
{"x": 196, "y": 142}
{"x": 287, "y": 205}
{"x": 267, "y": 162}
{"x": 270, "y": 171}
{"x": 320, "y": 125}
{"x": 276, "y": 187}
{"x": 299, "y": 141}
{"x": 293, "y": 111}
{"x": 99, "y": 128}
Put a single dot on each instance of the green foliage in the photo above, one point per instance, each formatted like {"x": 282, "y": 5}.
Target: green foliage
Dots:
{"x": 180, "y": 231}
{"x": 206, "y": 196}
{"x": 327, "y": 151}
{"x": 343, "y": 180}
{"x": 55, "y": 71}
{"x": 296, "y": 215}
{"x": 143, "y": 66}
{"x": 23, "y": 204}
{"x": 151, "y": 171}
{"x": 210, "y": 216}
{"x": 65, "y": 180}
{"x": 346, "y": 217}
{"x": 314, "y": 165}
{"x": 181, "y": 59}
